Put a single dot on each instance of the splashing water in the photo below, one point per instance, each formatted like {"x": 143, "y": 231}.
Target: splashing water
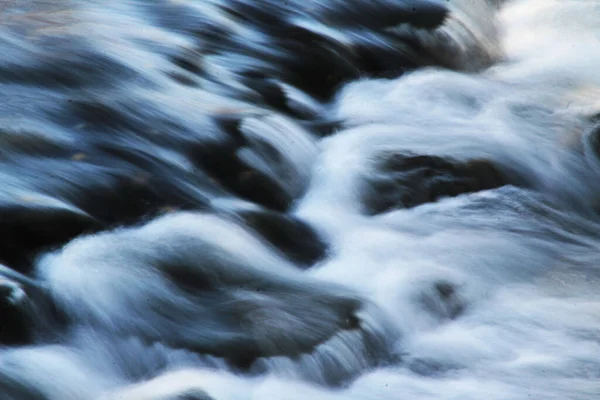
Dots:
{"x": 255, "y": 199}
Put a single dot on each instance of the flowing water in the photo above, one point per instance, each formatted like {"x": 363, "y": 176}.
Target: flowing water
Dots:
{"x": 263, "y": 199}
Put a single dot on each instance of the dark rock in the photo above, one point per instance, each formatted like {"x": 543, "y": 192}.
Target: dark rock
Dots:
{"x": 443, "y": 301}
{"x": 27, "y": 229}
{"x": 428, "y": 14}
{"x": 405, "y": 181}
{"x": 293, "y": 237}
{"x": 221, "y": 163}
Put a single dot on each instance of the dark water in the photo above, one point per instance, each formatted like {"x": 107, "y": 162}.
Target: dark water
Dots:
{"x": 262, "y": 199}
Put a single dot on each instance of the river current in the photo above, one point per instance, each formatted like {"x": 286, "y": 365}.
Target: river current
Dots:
{"x": 303, "y": 199}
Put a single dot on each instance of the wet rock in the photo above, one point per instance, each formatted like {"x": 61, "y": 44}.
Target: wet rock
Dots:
{"x": 293, "y": 237}
{"x": 443, "y": 300}
{"x": 27, "y": 229}
{"x": 405, "y": 181}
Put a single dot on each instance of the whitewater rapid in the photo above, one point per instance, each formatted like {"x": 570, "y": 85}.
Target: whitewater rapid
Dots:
{"x": 189, "y": 219}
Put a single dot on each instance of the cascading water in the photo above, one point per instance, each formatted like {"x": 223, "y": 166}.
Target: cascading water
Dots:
{"x": 263, "y": 199}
